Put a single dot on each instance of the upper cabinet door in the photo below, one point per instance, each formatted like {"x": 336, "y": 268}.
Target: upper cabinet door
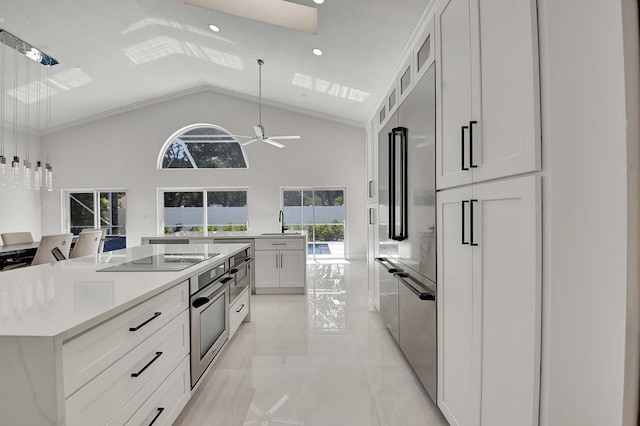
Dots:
{"x": 488, "y": 90}
{"x": 453, "y": 96}
{"x": 506, "y": 93}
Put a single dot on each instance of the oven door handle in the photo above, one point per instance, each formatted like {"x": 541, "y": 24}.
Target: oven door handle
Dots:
{"x": 244, "y": 262}
{"x": 200, "y": 301}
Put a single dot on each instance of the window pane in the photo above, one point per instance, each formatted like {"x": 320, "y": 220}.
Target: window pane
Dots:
{"x": 183, "y": 211}
{"x": 298, "y": 210}
{"x": 227, "y": 210}
{"x": 81, "y": 211}
{"x": 204, "y": 148}
{"x": 113, "y": 207}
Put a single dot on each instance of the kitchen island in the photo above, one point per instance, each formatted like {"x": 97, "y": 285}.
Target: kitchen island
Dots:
{"x": 81, "y": 345}
{"x": 280, "y": 258}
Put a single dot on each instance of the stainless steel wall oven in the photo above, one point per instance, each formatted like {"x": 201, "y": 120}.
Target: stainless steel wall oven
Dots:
{"x": 209, "y": 309}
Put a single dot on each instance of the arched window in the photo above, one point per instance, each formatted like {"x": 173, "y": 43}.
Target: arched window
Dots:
{"x": 202, "y": 146}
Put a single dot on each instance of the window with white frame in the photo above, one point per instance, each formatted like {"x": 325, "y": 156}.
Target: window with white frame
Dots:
{"x": 210, "y": 209}
{"x": 98, "y": 208}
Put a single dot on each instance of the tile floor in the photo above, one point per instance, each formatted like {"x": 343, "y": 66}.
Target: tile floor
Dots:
{"x": 324, "y": 358}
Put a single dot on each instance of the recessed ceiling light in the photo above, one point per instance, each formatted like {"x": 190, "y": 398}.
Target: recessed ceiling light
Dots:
{"x": 214, "y": 28}
{"x": 317, "y": 52}
{"x": 318, "y": 1}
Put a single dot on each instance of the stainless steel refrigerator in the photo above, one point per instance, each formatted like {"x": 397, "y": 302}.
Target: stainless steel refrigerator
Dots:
{"x": 407, "y": 221}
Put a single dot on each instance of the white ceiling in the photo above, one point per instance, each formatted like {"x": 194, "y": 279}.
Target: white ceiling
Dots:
{"x": 117, "y": 53}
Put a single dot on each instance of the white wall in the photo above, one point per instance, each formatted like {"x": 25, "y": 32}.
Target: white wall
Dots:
{"x": 19, "y": 207}
{"x": 585, "y": 224}
{"x": 121, "y": 152}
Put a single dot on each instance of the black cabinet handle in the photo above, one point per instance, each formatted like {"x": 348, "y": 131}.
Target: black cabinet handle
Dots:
{"x": 382, "y": 260}
{"x": 160, "y": 410}
{"x": 226, "y": 279}
{"x": 422, "y": 295}
{"x": 147, "y": 365}
{"x": 463, "y": 217}
{"x": 462, "y": 146}
{"x": 471, "y": 223}
{"x": 471, "y": 123}
{"x": 240, "y": 308}
{"x": 233, "y": 271}
{"x": 155, "y": 315}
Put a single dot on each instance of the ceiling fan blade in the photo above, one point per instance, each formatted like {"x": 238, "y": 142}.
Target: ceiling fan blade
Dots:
{"x": 274, "y": 143}
{"x": 258, "y": 131}
{"x": 248, "y": 142}
{"x": 285, "y": 137}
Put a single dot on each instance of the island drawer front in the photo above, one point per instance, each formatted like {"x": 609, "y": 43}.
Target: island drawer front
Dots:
{"x": 88, "y": 354}
{"x": 239, "y": 311}
{"x": 103, "y": 397}
{"x": 161, "y": 400}
{"x": 287, "y": 243}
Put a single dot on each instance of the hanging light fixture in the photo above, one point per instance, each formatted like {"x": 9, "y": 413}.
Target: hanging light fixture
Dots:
{"x": 26, "y": 169}
{"x": 37, "y": 174}
{"x": 15, "y": 164}
{"x": 30, "y": 52}
{"x": 49, "y": 169}
{"x": 3, "y": 159}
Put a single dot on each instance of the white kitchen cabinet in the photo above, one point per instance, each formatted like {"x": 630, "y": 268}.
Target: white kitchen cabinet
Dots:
{"x": 280, "y": 265}
{"x": 372, "y": 163}
{"x": 488, "y": 103}
{"x": 489, "y": 290}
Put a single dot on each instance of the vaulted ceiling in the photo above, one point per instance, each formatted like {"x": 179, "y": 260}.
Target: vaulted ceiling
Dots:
{"x": 115, "y": 54}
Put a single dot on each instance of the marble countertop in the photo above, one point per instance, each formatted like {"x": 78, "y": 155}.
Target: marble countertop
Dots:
{"x": 64, "y": 299}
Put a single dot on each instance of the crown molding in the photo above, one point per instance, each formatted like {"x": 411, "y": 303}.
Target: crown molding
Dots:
{"x": 192, "y": 91}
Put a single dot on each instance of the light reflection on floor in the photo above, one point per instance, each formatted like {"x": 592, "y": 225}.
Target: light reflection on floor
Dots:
{"x": 324, "y": 358}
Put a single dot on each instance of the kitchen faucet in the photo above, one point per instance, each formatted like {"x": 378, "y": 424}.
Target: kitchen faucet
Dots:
{"x": 281, "y": 220}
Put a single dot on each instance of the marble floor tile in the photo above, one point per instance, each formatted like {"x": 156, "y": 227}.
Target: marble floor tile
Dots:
{"x": 323, "y": 358}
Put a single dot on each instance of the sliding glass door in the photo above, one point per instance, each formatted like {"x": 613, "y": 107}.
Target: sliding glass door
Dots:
{"x": 320, "y": 212}
{"x": 99, "y": 209}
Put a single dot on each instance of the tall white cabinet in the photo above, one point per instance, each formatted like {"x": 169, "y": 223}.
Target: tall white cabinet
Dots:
{"x": 489, "y": 292}
{"x": 488, "y": 104}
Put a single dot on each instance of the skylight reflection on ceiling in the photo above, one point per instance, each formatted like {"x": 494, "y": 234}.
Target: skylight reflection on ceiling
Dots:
{"x": 147, "y": 22}
{"x": 324, "y": 86}
{"x": 151, "y": 21}
{"x": 162, "y": 46}
{"x": 60, "y": 82}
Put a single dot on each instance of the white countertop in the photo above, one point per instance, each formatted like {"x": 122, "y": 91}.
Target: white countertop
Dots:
{"x": 230, "y": 234}
{"x": 69, "y": 297}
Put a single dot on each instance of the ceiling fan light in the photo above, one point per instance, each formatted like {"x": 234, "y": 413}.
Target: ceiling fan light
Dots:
{"x": 317, "y": 52}
{"x": 214, "y": 28}
{"x": 318, "y": 1}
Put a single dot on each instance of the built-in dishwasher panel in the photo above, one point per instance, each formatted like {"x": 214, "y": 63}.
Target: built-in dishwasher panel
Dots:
{"x": 389, "y": 294}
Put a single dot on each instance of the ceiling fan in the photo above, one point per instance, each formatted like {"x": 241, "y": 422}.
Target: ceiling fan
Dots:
{"x": 258, "y": 130}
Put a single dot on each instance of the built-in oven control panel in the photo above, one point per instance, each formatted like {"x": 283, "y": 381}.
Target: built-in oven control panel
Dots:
{"x": 199, "y": 282}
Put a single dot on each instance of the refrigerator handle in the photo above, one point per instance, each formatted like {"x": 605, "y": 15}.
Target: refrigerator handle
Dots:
{"x": 463, "y": 217}
{"x": 471, "y": 223}
{"x": 462, "y": 146}
{"x": 471, "y": 123}
{"x": 392, "y": 198}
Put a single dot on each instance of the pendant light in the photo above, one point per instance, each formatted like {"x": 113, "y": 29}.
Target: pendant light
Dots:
{"x": 37, "y": 174}
{"x": 26, "y": 169}
{"x": 15, "y": 164}
{"x": 49, "y": 169}
{"x": 3, "y": 159}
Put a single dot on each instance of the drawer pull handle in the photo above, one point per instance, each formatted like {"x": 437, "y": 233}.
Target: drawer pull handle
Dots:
{"x": 278, "y": 244}
{"x": 241, "y": 307}
{"x": 160, "y": 410}
{"x": 156, "y": 315}
{"x": 147, "y": 365}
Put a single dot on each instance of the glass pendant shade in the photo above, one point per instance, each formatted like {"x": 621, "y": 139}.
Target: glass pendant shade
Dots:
{"x": 15, "y": 172}
{"x": 3, "y": 171}
{"x": 26, "y": 174}
{"x": 37, "y": 177}
{"x": 49, "y": 177}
